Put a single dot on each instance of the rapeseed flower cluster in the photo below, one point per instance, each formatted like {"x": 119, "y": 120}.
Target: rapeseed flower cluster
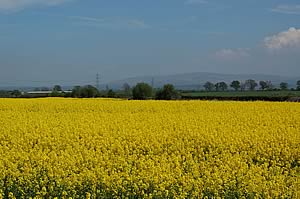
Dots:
{"x": 103, "y": 148}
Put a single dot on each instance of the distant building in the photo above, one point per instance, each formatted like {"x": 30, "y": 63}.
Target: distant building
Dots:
{"x": 42, "y": 93}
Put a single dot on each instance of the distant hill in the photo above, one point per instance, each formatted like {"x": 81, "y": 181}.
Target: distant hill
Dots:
{"x": 188, "y": 81}
{"x": 198, "y": 79}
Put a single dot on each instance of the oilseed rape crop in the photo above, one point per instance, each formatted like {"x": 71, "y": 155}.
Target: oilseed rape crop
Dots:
{"x": 104, "y": 148}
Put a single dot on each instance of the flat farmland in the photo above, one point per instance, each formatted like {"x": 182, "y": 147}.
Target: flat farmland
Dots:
{"x": 104, "y": 148}
{"x": 244, "y": 94}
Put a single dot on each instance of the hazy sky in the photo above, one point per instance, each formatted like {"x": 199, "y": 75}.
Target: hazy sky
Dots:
{"x": 69, "y": 41}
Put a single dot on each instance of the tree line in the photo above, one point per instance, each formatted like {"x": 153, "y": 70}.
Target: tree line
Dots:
{"x": 140, "y": 91}
{"x": 249, "y": 84}
{"x": 143, "y": 90}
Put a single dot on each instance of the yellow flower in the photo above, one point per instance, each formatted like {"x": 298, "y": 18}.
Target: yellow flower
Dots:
{"x": 97, "y": 148}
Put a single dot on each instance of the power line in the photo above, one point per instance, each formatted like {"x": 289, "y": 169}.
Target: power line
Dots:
{"x": 98, "y": 81}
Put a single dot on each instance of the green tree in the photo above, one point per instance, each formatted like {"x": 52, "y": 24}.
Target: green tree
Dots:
{"x": 284, "y": 86}
{"x": 142, "y": 91}
{"x": 57, "y": 88}
{"x": 167, "y": 93}
{"x": 16, "y": 93}
{"x": 298, "y": 85}
{"x": 263, "y": 85}
{"x": 89, "y": 91}
{"x": 236, "y": 85}
{"x": 76, "y": 91}
{"x": 221, "y": 86}
{"x": 251, "y": 84}
{"x": 111, "y": 93}
{"x": 85, "y": 92}
{"x": 209, "y": 86}
{"x": 56, "y": 91}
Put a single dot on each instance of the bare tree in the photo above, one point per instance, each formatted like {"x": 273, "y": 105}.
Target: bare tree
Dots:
{"x": 251, "y": 84}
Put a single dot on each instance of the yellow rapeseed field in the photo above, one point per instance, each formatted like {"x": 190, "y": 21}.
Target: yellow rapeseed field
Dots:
{"x": 103, "y": 148}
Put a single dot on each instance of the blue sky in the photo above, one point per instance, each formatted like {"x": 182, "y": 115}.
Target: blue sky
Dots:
{"x": 69, "y": 41}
